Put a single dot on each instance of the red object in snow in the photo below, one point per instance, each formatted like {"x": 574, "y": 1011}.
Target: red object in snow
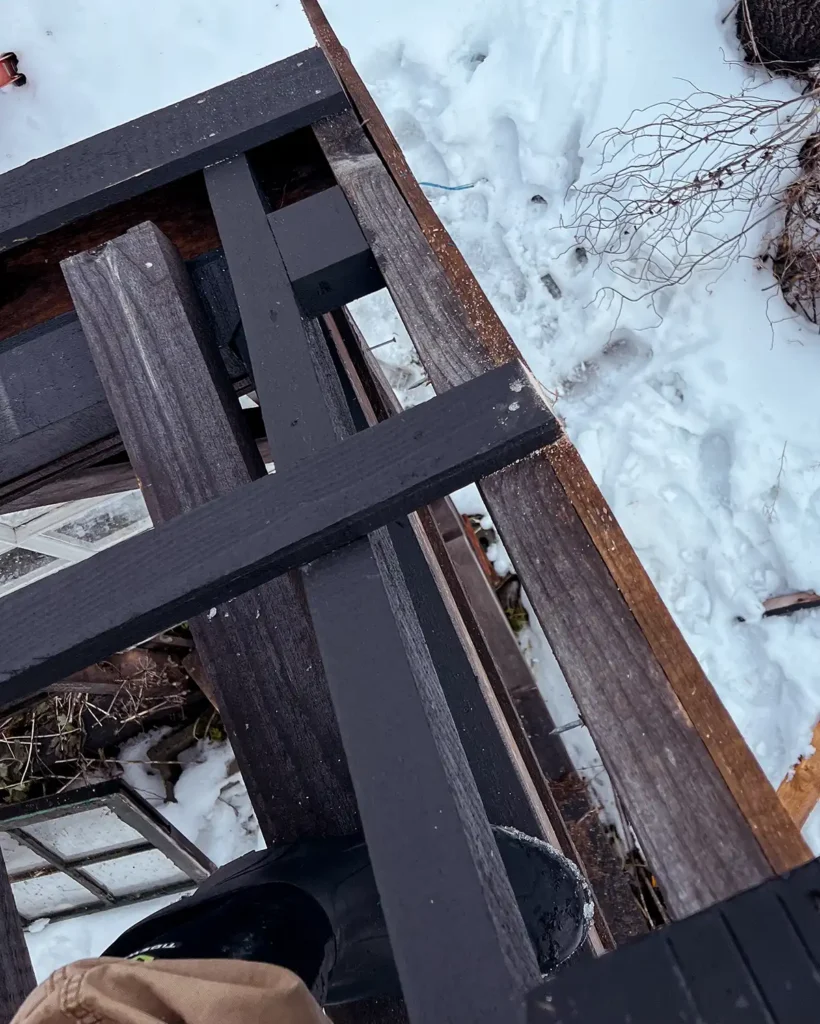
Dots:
{"x": 9, "y": 75}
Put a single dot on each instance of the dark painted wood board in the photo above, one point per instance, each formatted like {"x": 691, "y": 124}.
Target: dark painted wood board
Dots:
{"x": 181, "y": 425}
{"x": 457, "y": 898}
{"x": 296, "y": 420}
{"x": 56, "y": 405}
{"x": 284, "y": 349}
{"x": 174, "y": 141}
{"x": 572, "y": 814}
{"x": 686, "y": 818}
{"x": 238, "y": 541}
{"x": 341, "y": 269}
{"x": 34, "y": 289}
{"x": 743, "y": 961}
{"x": 16, "y": 973}
{"x": 456, "y": 933}
{"x": 53, "y": 402}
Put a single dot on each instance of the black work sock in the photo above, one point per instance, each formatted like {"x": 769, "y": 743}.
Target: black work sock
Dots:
{"x": 275, "y": 924}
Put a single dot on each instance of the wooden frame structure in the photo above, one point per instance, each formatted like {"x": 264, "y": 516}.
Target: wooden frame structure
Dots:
{"x": 308, "y": 584}
{"x": 153, "y": 834}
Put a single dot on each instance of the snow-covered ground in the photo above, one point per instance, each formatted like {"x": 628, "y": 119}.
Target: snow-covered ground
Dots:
{"x": 697, "y": 415}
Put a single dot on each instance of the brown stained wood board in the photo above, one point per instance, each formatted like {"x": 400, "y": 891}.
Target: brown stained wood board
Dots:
{"x": 454, "y": 346}
{"x": 181, "y": 426}
{"x": 32, "y": 288}
{"x": 800, "y": 789}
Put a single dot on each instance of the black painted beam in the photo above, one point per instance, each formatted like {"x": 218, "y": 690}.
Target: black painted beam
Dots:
{"x": 460, "y": 945}
{"x": 152, "y": 150}
{"x": 325, "y": 253}
{"x": 234, "y": 543}
{"x": 54, "y": 402}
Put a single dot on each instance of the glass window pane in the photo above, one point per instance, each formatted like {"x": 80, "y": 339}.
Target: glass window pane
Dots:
{"x": 20, "y": 562}
{"x": 51, "y": 894}
{"x": 140, "y": 871}
{"x": 85, "y": 832}
{"x": 122, "y": 512}
{"x": 18, "y": 858}
{"x": 26, "y": 516}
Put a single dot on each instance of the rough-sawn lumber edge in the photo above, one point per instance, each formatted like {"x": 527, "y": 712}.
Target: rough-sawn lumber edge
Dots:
{"x": 485, "y": 342}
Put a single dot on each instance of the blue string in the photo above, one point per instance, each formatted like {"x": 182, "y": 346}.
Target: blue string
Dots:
{"x": 449, "y": 188}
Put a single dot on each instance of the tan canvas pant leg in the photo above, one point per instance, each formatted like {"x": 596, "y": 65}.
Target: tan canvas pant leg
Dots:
{"x": 112, "y": 991}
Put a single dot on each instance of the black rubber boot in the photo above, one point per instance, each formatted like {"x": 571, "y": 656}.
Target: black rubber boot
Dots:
{"x": 312, "y": 906}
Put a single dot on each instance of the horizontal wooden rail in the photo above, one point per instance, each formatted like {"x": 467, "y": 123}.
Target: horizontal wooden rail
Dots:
{"x": 152, "y": 150}
{"x": 236, "y": 542}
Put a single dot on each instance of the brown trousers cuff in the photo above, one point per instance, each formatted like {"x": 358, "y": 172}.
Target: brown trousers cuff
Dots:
{"x": 111, "y": 991}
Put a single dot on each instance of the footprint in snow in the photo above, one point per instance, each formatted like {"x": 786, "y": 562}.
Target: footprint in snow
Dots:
{"x": 618, "y": 363}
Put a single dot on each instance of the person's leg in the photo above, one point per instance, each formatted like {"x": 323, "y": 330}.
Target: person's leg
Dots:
{"x": 313, "y": 906}
{"x": 185, "y": 991}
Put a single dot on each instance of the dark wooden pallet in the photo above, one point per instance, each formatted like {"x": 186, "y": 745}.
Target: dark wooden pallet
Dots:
{"x": 308, "y": 591}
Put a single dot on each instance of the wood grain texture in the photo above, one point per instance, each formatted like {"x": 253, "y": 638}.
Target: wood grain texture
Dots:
{"x": 692, "y": 831}
{"x": 753, "y": 959}
{"x": 174, "y": 141}
{"x": 16, "y": 972}
{"x": 457, "y": 935}
{"x": 445, "y": 894}
{"x": 494, "y": 339}
{"x": 780, "y": 841}
{"x": 54, "y": 405}
{"x": 181, "y": 425}
{"x": 34, "y": 289}
{"x": 800, "y": 789}
{"x": 439, "y": 310}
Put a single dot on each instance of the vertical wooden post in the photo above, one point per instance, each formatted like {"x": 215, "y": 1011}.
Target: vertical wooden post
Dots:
{"x": 16, "y": 972}
{"x": 180, "y": 423}
{"x": 460, "y": 944}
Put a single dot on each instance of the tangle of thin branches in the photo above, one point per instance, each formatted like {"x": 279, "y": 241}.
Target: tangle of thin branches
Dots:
{"x": 683, "y": 185}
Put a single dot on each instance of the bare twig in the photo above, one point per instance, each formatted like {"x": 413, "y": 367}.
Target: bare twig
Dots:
{"x": 684, "y": 188}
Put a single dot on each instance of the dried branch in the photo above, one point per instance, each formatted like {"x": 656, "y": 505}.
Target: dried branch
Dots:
{"x": 683, "y": 185}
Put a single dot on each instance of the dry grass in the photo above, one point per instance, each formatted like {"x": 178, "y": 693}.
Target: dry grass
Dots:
{"x": 45, "y": 748}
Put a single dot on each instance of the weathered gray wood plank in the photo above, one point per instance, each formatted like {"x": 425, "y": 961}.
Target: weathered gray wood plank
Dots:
{"x": 685, "y": 814}
{"x": 180, "y": 422}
